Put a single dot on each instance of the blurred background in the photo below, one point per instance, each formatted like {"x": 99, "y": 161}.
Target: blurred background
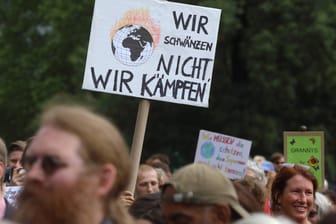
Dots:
{"x": 275, "y": 70}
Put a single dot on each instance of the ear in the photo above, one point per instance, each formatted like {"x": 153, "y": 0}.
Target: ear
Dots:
{"x": 107, "y": 177}
{"x": 278, "y": 198}
{"x": 223, "y": 213}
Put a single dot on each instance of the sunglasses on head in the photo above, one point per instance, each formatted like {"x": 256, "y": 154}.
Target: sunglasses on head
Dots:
{"x": 49, "y": 164}
{"x": 295, "y": 164}
{"x": 290, "y": 165}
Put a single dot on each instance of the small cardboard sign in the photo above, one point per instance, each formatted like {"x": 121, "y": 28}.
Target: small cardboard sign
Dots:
{"x": 227, "y": 153}
{"x": 306, "y": 148}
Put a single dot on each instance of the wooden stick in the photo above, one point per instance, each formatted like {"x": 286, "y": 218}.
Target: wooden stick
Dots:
{"x": 138, "y": 139}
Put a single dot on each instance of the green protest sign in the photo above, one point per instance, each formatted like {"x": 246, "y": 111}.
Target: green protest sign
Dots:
{"x": 306, "y": 148}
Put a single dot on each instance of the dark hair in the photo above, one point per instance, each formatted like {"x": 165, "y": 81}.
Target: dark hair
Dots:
{"x": 148, "y": 207}
{"x": 162, "y": 166}
{"x": 331, "y": 194}
{"x": 160, "y": 156}
{"x": 286, "y": 173}
{"x": 18, "y": 145}
{"x": 328, "y": 218}
{"x": 28, "y": 141}
{"x": 276, "y": 156}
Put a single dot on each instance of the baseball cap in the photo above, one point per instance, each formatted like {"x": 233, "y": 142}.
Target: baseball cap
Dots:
{"x": 200, "y": 183}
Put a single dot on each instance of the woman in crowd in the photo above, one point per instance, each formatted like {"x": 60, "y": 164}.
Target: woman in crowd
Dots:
{"x": 293, "y": 193}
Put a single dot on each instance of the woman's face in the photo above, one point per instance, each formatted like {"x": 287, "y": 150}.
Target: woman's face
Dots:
{"x": 297, "y": 198}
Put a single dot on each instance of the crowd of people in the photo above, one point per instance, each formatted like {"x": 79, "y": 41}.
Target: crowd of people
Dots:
{"x": 76, "y": 170}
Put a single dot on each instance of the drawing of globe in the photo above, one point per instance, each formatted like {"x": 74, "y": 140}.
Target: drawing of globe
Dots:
{"x": 207, "y": 150}
{"x": 132, "y": 45}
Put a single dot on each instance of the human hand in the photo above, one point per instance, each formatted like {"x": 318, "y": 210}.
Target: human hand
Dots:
{"x": 18, "y": 176}
{"x": 127, "y": 198}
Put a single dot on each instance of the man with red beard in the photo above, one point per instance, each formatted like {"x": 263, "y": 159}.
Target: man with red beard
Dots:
{"x": 77, "y": 165}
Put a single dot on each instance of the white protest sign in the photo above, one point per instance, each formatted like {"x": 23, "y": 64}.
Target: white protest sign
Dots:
{"x": 228, "y": 154}
{"x": 12, "y": 193}
{"x": 152, "y": 49}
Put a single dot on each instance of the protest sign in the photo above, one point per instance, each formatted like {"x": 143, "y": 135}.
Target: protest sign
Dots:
{"x": 306, "y": 148}
{"x": 228, "y": 154}
{"x": 152, "y": 49}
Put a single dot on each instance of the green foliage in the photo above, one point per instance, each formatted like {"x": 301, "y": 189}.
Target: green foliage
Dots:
{"x": 274, "y": 70}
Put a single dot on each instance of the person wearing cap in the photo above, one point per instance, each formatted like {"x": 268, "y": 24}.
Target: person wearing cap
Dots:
{"x": 198, "y": 193}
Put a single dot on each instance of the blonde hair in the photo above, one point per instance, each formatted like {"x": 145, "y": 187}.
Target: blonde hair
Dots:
{"x": 3, "y": 152}
{"x": 101, "y": 143}
{"x": 145, "y": 168}
{"x": 162, "y": 176}
{"x": 3, "y": 159}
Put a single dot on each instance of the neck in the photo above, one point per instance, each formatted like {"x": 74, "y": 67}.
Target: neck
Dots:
{"x": 301, "y": 221}
{"x": 304, "y": 221}
{"x": 97, "y": 216}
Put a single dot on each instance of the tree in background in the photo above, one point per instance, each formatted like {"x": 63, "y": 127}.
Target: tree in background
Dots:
{"x": 274, "y": 70}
